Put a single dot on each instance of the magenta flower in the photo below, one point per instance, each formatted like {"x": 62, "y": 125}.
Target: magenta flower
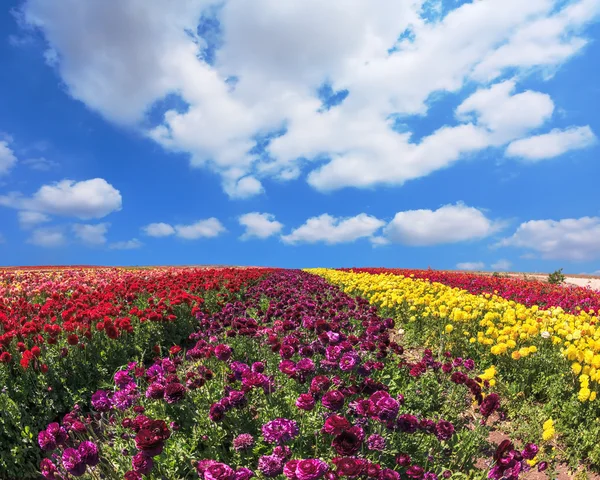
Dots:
{"x": 89, "y": 453}
{"x": 174, "y": 392}
{"x": 270, "y": 465}
{"x": 280, "y": 430}
{"x": 142, "y": 463}
{"x": 219, "y": 471}
{"x": 305, "y": 402}
{"x": 73, "y": 463}
{"x": 46, "y": 441}
{"x": 376, "y": 442}
{"x": 311, "y": 469}
{"x": 101, "y": 402}
{"x": 48, "y": 469}
{"x": 244, "y": 441}
{"x": 333, "y": 400}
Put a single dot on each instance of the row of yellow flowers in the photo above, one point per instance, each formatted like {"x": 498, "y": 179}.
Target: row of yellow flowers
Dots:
{"x": 502, "y": 327}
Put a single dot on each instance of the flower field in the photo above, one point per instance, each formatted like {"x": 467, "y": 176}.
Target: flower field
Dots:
{"x": 229, "y": 374}
{"x": 543, "y": 355}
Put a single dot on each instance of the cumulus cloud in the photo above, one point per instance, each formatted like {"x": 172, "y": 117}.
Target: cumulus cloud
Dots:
{"x": 250, "y": 85}
{"x": 208, "y": 228}
{"x": 552, "y": 144}
{"x": 470, "y": 266}
{"x": 567, "y": 239}
{"x": 331, "y": 230}
{"x": 48, "y": 237}
{"x": 159, "y": 230}
{"x": 92, "y": 235}
{"x": 447, "y": 224}
{"x": 7, "y": 158}
{"x": 29, "y": 219}
{"x": 502, "y": 265}
{"x": 259, "y": 225}
{"x": 85, "y": 200}
{"x": 132, "y": 244}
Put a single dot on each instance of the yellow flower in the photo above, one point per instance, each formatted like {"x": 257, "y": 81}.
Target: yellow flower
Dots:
{"x": 449, "y": 328}
{"x": 515, "y": 355}
{"x": 584, "y": 394}
{"x": 576, "y": 367}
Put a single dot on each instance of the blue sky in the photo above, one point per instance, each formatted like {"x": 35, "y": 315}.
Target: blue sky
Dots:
{"x": 301, "y": 134}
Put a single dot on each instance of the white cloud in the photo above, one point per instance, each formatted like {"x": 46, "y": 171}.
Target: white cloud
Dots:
{"x": 91, "y": 234}
{"x": 567, "y": 239}
{"x": 120, "y": 58}
{"x": 470, "y": 266}
{"x": 47, "y": 237}
{"x": 505, "y": 114}
{"x": 87, "y": 199}
{"x": 447, "y": 224}
{"x": 259, "y": 225}
{"x": 159, "y": 230}
{"x": 126, "y": 245}
{"x": 502, "y": 265}
{"x": 332, "y": 230}
{"x": 29, "y": 219}
{"x": 209, "y": 228}
{"x": 552, "y": 144}
{"x": 7, "y": 158}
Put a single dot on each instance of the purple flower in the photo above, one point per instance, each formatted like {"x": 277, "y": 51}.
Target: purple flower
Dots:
{"x": 270, "y": 465}
{"x": 223, "y": 352}
{"x": 88, "y": 452}
{"x": 219, "y": 471}
{"x": 305, "y": 402}
{"x": 289, "y": 470}
{"x": 348, "y": 442}
{"x": 282, "y": 451}
{"x": 490, "y": 404}
{"x": 155, "y": 390}
{"x": 101, "y": 402}
{"x": 122, "y": 379}
{"x": 311, "y": 469}
{"x": 349, "y": 361}
{"x": 72, "y": 462}
{"x": 469, "y": 364}
{"x": 376, "y": 442}
{"x": 530, "y": 451}
{"x": 444, "y": 430}
{"x": 217, "y": 412}
{"x": 244, "y": 441}
{"x": 123, "y": 399}
{"x": 243, "y": 473}
{"x": 142, "y": 463}
{"x": 258, "y": 367}
{"x": 336, "y": 424}
{"x": 387, "y": 408}
{"x": 407, "y": 423}
{"x": 333, "y": 400}
{"x": 389, "y": 474}
{"x": 46, "y": 441}
{"x": 57, "y": 432}
{"x": 280, "y": 430}
{"x": 174, "y": 392}
{"x": 414, "y": 471}
{"x": 306, "y": 365}
{"x": 48, "y": 469}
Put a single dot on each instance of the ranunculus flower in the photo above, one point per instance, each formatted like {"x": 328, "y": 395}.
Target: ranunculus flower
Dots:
{"x": 89, "y": 453}
{"x": 174, "y": 392}
{"x": 407, "y": 423}
{"x": 244, "y": 441}
{"x": 243, "y": 473}
{"x": 376, "y": 442}
{"x": 48, "y": 469}
{"x": 311, "y": 469}
{"x": 444, "y": 430}
{"x": 280, "y": 430}
{"x": 270, "y": 465}
{"x": 305, "y": 402}
{"x": 415, "y": 471}
{"x": 142, "y": 463}
{"x": 336, "y": 424}
{"x": 101, "y": 402}
{"x": 289, "y": 469}
{"x": 155, "y": 390}
{"x": 333, "y": 400}
{"x": 223, "y": 352}
{"x": 73, "y": 463}
{"x": 219, "y": 471}
{"x": 349, "y": 467}
{"x": 348, "y": 442}
{"x": 46, "y": 441}
{"x": 490, "y": 404}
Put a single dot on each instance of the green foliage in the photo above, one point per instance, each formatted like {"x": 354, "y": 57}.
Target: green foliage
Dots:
{"x": 556, "y": 277}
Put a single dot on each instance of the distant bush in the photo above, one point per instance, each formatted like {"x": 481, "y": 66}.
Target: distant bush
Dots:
{"x": 556, "y": 277}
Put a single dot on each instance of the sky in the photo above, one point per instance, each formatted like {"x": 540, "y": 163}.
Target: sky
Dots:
{"x": 301, "y": 133}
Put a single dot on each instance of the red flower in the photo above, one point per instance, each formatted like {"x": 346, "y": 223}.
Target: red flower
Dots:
{"x": 175, "y": 349}
{"x": 5, "y": 357}
{"x": 35, "y": 351}
{"x": 73, "y": 339}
